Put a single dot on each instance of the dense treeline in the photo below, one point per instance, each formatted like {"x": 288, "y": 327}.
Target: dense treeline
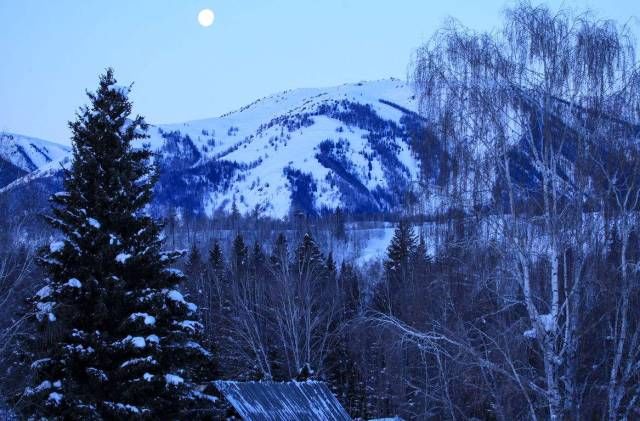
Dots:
{"x": 420, "y": 335}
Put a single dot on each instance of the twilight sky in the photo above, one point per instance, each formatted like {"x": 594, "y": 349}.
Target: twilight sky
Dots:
{"x": 52, "y": 50}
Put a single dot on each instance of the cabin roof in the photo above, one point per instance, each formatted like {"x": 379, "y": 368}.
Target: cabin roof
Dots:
{"x": 267, "y": 401}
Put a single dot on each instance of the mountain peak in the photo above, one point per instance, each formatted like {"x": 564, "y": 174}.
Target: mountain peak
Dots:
{"x": 310, "y": 149}
{"x": 307, "y": 150}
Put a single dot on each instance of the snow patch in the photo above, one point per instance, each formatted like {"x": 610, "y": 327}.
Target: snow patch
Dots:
{"x": 122, "y": 258}
{"x": 39, "y": 363}
{"x": 94, "y": 223}
{"x": 74, "y": 283}
{"x": 56, "y": 246}
{"x": 190, "y": 325}
{"x": 173, "y": 380}
{"x": 46, "y": 384}
{"x": 136, "y": 341}
{"x": 198, "y": 347}
{"x": 55, "y": 398}
{"x": 44, "y": 292}
{"x": 148, "y": 319}
{"x": 149, "y": 360}
{"x": 45, "y": 310}
{"x": 175, "y": 272}
{"x": 174, "y": 295}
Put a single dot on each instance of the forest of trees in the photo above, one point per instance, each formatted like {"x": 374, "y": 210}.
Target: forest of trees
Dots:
{"x": 519, "y": 300}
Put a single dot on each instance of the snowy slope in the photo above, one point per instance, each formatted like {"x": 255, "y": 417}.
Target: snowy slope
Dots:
{"x": 303, "y": 150}
{"x": 28, "y": 153}
{"x": 21, "y": 155}
{"x": 275, "y": 149}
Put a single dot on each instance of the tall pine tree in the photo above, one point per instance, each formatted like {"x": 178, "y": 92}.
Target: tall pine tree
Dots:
{"x": 216, "y": 259}
{"x": 121, "y": 340}
{"x": 400, "y": 251}
{"x": 239, "y": 257}
{"x": 389, "y": 294}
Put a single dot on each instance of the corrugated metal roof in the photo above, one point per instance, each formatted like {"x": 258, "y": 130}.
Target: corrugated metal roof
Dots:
{"x": 274, "y": 401}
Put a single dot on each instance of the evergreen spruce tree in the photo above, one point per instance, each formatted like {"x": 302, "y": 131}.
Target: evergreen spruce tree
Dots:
{"x": 390, "y": 293}
{"x": 340, "y": 230}
{"x": 218, "y": 296}
{"x": 239, "y": 258}
{"x": 280, "y": 254}
{"x": 401, "y": 251}
{"x": 349, "y": 283}
{"x": 343, "y": 371}
{"x": 421, "y": 263}
{"x": 422, "y": 255}
{"x": 235, "y": 215}
{"x": 121, "y": 340}
{"x": 309, "y": 265}
{"x": 258, "y": 265}
{"x": 216, "y": 259}
{"x": 194, "y": 268}
{"x": 198, "y": 287}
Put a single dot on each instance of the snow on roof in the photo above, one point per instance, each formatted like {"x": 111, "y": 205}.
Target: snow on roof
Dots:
{"x": 266, "y": 401}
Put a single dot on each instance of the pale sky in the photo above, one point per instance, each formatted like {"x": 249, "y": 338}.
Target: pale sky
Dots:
{"x": 52, "y": 50}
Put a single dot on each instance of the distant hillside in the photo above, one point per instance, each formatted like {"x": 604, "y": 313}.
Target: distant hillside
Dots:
{"x": 20, "y": 155}
{"x": 304, "y": 150}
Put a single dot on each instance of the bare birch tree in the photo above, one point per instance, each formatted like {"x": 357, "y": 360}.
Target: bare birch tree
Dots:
{"x": 527, "y": 98}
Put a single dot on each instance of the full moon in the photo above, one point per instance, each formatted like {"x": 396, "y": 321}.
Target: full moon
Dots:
{"x": 206, "y": 17}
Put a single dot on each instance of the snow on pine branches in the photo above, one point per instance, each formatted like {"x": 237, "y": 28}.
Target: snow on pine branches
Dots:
{"x": 121, "y": 340}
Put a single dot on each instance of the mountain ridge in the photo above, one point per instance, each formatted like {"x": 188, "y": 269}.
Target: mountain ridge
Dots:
{"x": 308, "y": 149}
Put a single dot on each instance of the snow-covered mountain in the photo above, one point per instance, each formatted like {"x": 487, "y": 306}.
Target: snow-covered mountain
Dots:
{"x": 20, "y": 155}
{"x": 303, "y": 150}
